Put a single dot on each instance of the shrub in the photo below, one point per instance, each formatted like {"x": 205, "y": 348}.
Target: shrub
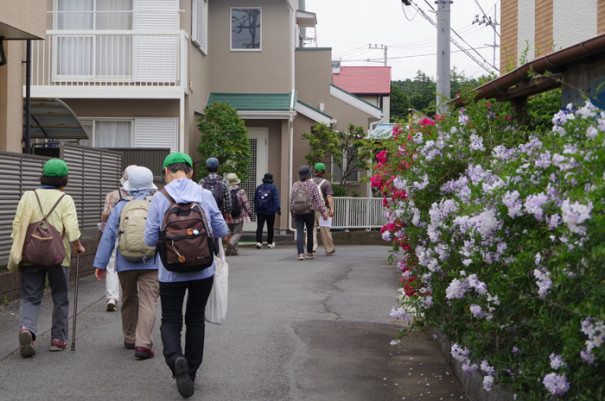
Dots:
{"x": 500, "y": 237}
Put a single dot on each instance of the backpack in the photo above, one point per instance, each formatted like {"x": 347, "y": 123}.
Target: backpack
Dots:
{"x": 236, "y": 206}
{"x": 185, "y": 244}
{"x": 131, "y": 239}
{"x": 215, "y": 186}
{"x": 43, "y": 243}
{"x": 302, "y": 203}
{"x": 263, "y": 200}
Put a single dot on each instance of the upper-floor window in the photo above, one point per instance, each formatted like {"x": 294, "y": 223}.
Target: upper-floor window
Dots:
{"x": 94, "y": 14}
{"x": 199, "y": 24}
{"x": 246, "y": 28}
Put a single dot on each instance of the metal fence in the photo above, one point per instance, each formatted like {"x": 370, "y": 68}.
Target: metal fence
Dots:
{"x": 92, "y": 173}
{"x": 152, "y": 158}
{"x": 351, "y": 212}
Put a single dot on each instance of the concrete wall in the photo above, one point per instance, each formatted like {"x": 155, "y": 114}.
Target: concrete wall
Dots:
{"x": 11, "y": 97}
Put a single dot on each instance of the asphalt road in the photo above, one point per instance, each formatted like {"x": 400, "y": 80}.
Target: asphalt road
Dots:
{"x": 296, "y": 330}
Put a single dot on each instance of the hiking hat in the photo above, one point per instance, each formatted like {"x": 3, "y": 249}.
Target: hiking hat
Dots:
{"x": 212, "y": 163}
{"x": 139, "y": 178}
{"x": 177, "y": 157}
{"x": 125, "y": 174}
{"x": 320, "y": 167}
{"x": 268, "y": 178}
{"x": 55, "y": 168}
{"x": 304, "y": 172}
{"x": 232, "y": 179}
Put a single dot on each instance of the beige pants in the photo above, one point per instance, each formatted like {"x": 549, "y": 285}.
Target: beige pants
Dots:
{"x": 140, "y": 292}
{"x": 324, "y": 232}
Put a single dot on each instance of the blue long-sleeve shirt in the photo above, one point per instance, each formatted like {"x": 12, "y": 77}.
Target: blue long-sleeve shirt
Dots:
{"x": 108, "y": 241}
{"x": 275, "y": 207}
{"x": 183, "y": 190}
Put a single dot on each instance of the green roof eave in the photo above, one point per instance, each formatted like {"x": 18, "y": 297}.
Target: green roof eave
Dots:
{"x": 357, "y": 97}
{"x": 253, "y": 101}
{"x": 316, "y": 110}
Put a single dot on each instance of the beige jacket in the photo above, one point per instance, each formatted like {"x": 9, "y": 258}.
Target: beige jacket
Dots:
{"x": 63, "y": 218}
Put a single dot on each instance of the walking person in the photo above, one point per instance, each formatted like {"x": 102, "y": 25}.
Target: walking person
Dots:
{"x": 240, "y": 213}
{"x": 138, "y": 275}
{"x": 58, "y": 209}
{"x": 304, "y": 199}
{"x": 219, "y": 188}
{"x": 178, "y": 170}
{"x": 326, "y": 190}
{"x": 112, "y": 282}
{"x": 266, "y": 204}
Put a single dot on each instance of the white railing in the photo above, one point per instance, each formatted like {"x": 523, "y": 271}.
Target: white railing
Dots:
{"x": 351, "y": 212}
{"x": 109, "y": 58}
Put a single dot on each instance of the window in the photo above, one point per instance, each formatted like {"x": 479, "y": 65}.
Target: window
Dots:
{"x": 349, "y": 168}
{"x": 199, "y": 24}
{"x": 112, "y": 134}
{"x": 245, "y": 29}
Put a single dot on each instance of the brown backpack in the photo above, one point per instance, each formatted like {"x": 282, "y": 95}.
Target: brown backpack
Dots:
{"x": 43, "y": 243}
{"x": 185, "y": 243}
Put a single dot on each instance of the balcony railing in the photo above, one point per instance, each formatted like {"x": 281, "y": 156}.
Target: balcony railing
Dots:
{"x": 351, "y": 212}
{"x": 109, "y": 58}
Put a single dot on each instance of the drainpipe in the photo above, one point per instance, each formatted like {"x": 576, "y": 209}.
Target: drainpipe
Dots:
{"x": 292, "y": 108}
{"x": 28, "y": 79}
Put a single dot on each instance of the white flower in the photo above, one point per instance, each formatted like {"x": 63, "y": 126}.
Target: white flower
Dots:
{"x": 488, "y": 383}
{"x": 574, "y": 214}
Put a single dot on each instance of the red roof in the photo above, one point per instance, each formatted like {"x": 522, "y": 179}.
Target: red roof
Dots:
{"x": 364, "y": 80}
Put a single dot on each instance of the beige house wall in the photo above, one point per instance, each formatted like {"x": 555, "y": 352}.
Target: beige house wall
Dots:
{"x": 11, "y": 97}
{"x": 264, "y": 71}
{"x": 124, "y": 108}
{"x": 27, "y": 16}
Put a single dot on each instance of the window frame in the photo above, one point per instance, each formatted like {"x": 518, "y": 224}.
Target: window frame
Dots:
{"x": 260, "y": 30}
{"x": 199, "y": 29}
{"x": 334, "y": 167}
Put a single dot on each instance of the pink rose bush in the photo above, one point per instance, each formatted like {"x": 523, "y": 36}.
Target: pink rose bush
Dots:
{"x": 499, "y": 235}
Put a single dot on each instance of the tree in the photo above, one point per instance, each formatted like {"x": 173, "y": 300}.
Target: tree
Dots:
{"x": 400, "y": 104}
{"x": 350, "y": 150}
{"x": 225, "y": 137}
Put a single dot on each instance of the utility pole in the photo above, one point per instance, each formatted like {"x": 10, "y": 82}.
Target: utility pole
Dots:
{"x": 443, "y": 54}
{"x": 381, "y": 47}
{"x": 487, "y": 21}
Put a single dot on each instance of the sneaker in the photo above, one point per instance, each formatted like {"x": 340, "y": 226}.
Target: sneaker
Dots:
{"x": 143, "y": 353}
{"x": 310, "y": 255}
{"x": 234, "y": 252}
{"x": 184, "y": 384}
{"x": 26, "y": 343}
{"x": 271, "y": 245}
{"x": 301, "y": 256}
{"x": 112, "y": 305}
{"x": 128, "y": 345}
{"x": 259, "y": 245}
{"x": 331, "y": 252}
{"x": 57, "y": 345}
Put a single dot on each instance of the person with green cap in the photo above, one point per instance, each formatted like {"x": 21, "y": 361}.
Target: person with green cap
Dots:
{"x": 326, "y": 190}
{"x": 178, "y": 170}
{"x": 60, "y": 209}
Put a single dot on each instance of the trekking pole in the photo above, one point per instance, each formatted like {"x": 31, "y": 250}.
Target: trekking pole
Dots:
{"x": 73, "y": 327}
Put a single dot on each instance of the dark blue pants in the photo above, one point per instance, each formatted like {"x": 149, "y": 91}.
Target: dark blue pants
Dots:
{"x": 302, "y": 221}
{"x": 172, "y": 296}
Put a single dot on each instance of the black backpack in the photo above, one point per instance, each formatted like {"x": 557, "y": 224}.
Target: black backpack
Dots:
{"x": 215, "y": 185}
{"x": 185, "y": 243}
{"x": 236, "y": 206}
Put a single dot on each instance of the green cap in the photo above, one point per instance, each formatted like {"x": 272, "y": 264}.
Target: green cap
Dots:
{"x": 320, "y": 167}
{"x": 55, "y": 168}
{"x": 177, "y": 157}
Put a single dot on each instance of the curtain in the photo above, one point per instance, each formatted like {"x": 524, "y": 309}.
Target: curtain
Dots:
{"x": 113, "y": 134}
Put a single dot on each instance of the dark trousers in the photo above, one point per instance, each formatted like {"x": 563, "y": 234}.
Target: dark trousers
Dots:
{"x": 33, "y": 279}
{"x": 172, "y": 296}
{"x": 302, "y": 221}
{"x": 260, "y": 223}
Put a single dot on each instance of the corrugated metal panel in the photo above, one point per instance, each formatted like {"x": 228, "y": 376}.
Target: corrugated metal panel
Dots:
{"x": 253, "y": 101}
{"x": 156, "y": 133}
{"x": 92, "y": 173}
{"x": 152, "y": 158}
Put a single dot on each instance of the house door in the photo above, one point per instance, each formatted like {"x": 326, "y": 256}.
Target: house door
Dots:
{"x": 259, "y": 145}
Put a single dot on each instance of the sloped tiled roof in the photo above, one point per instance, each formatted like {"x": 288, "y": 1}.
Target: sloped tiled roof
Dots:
{"x": 253, "y": 101}
{"x": 364, "y": 80}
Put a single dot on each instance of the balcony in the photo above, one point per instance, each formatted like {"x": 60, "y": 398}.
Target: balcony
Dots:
{"x": 110, "y": 64}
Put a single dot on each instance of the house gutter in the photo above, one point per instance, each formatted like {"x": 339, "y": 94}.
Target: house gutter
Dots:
{"x": 551, "y": 62}
{"x": 292, "y": 106}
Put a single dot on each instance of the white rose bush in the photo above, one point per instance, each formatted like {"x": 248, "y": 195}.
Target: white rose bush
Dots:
{"x": 499, "y": 234}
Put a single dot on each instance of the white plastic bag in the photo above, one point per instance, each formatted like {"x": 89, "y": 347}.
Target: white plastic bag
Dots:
{"x": 216, "y": 307}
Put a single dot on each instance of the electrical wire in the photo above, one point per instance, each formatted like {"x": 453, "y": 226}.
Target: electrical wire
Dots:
{"x": 403, "y": 57}
{"x": 494, "y": 23}
{"x": 406, "y": 14}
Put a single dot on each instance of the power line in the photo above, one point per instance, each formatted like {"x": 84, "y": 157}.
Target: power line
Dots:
{"x": 402, "y": 57}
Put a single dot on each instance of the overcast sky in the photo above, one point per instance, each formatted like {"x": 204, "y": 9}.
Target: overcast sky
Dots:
{"x": 350, "y": 26}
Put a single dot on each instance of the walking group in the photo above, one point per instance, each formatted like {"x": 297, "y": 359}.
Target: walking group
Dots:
{"x": 153, "y": 244}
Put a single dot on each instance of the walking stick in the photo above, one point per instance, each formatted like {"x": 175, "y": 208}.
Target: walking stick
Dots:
{"x": 73, "y": 327}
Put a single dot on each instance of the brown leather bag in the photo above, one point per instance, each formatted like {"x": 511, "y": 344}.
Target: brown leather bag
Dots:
{"x": 43, "y": 242}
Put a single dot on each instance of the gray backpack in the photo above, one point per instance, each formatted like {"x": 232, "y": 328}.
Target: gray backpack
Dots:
{"x": 302, "y": 203}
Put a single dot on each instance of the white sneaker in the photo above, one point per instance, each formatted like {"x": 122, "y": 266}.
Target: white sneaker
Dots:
{"x": 111, "y": 305}
{"x": 272, "y": 245}
{"x": 259, "y": 245}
